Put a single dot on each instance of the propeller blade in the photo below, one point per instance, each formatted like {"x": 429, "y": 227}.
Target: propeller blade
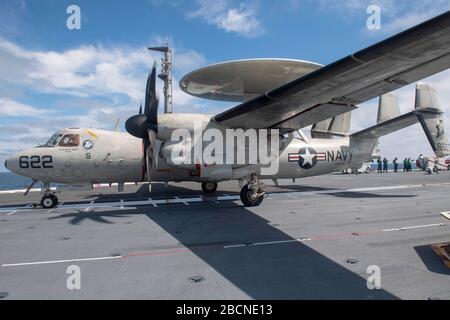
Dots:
{"x": 139, "y": 124}
{"x": 150, "y": 156}
{"x": 150, "y": 93}
{"x": 145, "y": 125}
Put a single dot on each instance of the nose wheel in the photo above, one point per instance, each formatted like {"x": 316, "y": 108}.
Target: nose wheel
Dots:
{"x": 49, "y": 200}
{"x": 209, "y": 187}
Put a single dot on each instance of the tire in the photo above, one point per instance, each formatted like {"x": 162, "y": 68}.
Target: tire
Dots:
{"x": 248, "y": 200}
{"x": 368, "y": 170}
{"x": 209, "y": 187}
{"x": 49, "y": 201}
{"x": 448, "y": 168}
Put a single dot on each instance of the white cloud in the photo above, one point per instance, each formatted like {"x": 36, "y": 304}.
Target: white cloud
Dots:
{"x": 87, "y": 71}
{"x": 412, "y": 18}
{"x": 396, "y": 15}
{"x": 12, "y": 108}
{"x": 87, "y": 86}
{"x": 241, "y": 19}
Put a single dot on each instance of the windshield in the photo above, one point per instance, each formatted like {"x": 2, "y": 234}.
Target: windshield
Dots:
{"x": 54, "y": 139}
{"x": 70, "y": 140}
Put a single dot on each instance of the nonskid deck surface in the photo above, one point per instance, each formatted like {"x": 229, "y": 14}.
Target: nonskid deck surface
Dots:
{"x": 312, "y": 239}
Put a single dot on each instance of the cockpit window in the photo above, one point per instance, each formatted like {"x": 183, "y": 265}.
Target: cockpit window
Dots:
{"x": 70, "y": 140}
{"x": 54, "y": 139}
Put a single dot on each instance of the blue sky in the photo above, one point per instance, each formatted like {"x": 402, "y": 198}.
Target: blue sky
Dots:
{"x": 52, "y": 77}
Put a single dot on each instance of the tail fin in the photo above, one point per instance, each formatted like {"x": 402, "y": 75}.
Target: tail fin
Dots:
{"x": 319, "y": 130}
{"x": 389, "y": 119}
{"x": 388, "y": 108}
{"x": 427, "y": 112}
{"x": 337, "y": 126}
{"x": 117, "y": 125}
{"x": 341, "y": 124}
{"x": 431, "y": 118}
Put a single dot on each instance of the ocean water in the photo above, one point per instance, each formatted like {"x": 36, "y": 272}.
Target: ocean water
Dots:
{"x": 11, "y": 181}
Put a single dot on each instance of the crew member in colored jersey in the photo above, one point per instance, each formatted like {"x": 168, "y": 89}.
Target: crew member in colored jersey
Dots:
{"x": 395, "y": 161}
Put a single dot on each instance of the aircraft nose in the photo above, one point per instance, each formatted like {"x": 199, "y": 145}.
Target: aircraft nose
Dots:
{"x": 10, "y": 163}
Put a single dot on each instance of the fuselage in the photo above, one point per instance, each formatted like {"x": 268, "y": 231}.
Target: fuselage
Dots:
{"x": 86, "y": 155}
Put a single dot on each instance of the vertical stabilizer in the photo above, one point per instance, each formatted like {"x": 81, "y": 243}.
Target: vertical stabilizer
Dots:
{"x": 341, "y": 123}
{"x": 431, "y": 118}
{"x": 337, "y": 126}
{"x": 388, "y": 108}
{"x": 319, "y": 130}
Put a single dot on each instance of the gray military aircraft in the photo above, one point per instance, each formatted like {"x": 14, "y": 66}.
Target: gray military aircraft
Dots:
{"x": 276, "y": 94}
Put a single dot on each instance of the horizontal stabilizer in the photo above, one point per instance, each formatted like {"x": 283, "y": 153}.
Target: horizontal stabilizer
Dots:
{"x": 427, "y": 112}
{"x": 388, "y": 126}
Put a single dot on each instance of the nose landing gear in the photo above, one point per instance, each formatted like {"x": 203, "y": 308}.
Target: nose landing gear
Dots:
{"x": 252, "y": 194}
{"x": 49, "y": 199}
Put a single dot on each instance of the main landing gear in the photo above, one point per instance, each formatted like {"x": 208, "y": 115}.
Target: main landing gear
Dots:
{"x": 209, "y": 187}
{"x": 49, "y": 199}
{"x": 252, "y": 194}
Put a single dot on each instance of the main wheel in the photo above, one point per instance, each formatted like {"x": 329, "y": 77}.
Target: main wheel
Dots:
{"x": 209, "y": 187}
{"x": 248, "y": 199}
{"x": 49, "y": 201}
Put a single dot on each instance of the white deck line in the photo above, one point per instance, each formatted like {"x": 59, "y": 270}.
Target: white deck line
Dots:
{"x": 415, "y": 227}
{"x": 59, "y": 261}
{"x": 224, "y": 197}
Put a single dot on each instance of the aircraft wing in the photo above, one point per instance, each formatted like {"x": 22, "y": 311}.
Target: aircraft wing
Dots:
{"x": 405, "y": 58}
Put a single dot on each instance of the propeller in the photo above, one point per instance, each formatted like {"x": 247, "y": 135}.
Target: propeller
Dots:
{"x": 145, "y": 125}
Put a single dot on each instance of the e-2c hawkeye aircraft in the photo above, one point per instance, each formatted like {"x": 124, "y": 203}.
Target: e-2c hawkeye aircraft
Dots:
{"x": 281, "y": 95}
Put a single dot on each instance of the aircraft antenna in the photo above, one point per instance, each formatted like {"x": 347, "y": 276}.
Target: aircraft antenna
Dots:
{"x": 166, "y": 75}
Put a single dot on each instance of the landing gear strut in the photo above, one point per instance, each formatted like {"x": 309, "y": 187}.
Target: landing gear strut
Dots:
{"x": 209, "y": 187}
{"x": 49, "y": 199}
{"x": 252, "y": 194}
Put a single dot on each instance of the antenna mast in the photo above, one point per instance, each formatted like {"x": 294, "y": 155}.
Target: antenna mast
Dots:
{"x": 166, "y": 75}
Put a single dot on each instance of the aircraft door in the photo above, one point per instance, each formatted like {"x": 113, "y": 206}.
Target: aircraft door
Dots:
{"x": 69, "y": 161}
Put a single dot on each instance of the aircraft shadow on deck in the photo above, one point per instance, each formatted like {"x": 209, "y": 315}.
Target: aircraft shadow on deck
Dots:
{"x": 342, "y": 194}
{"x": 159, "y": 191}
{"x": 281, "y": 271}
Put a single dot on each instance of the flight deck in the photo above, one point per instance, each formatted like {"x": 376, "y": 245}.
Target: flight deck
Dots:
{"x": 314, "y": 239}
